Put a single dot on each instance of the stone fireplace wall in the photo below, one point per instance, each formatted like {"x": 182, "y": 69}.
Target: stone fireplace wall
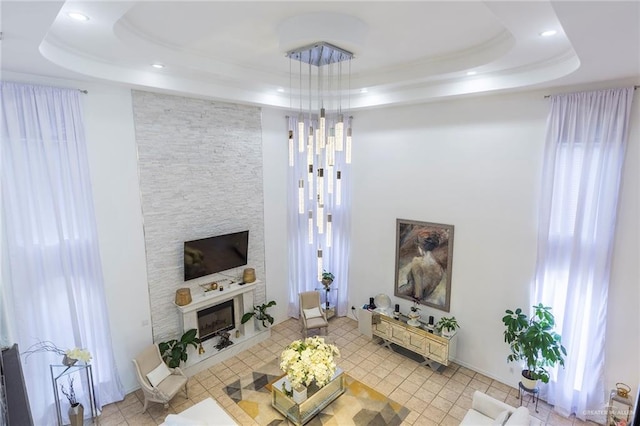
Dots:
{"x": 200, "y": 165}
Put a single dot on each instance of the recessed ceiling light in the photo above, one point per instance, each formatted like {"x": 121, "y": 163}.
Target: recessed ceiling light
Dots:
{"x": 548, "y": 33}
{"x": 77, "y": 16}
{"x": 280, "y": 89}
{"x": 159, "y": 66}
{"x": 472, "y": 72}
{"x": 364, "y": 90}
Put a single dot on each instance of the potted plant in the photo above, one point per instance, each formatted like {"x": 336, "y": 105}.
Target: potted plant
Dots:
{"x": 174, "y": 351}
{"x": 447, "y": 326}
{"x": 327, "y": 278}
{"x": 260, "y": 312}
{"x": 533, "y": 341}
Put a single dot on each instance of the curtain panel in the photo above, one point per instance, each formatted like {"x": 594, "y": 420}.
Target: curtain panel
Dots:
{"x": 304, "y": 241}
{"x": 55, "y": 284}
{"x": 583, "y": 160}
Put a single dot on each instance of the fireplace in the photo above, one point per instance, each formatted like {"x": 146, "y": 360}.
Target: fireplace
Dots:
{"x": 216, "y": 319}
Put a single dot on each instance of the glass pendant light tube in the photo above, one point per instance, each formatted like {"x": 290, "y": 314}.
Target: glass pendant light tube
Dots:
{"x": 329, "y": 180}
{"x": 310, "y": 181}
{"x": 320, "y": 219}
{"x": 290, "y": 148}
{"x": 340, "y": 134}
{"x": 323, "y": 130}
{"x": 301, "y": 127}
{"x": 320, "y": 269}
{"x": 310, "y": 226}
{"x": 331, "y": 153}
{"x": 347, "y": 154}
{"x": 310, "y": 147}
{"x": 300, "y": 118}
{"x": 329, "y": 231}
{"x": 338, "y": 195}
{"x": 320, "y": 186}
{"x": 301, "y": 196}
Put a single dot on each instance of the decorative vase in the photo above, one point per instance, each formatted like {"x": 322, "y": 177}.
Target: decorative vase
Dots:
{"x": 68, "y": 361}
{"x": 299, "y": 394}
{"x": 76, "y": 415}
{"x": 413, "y": 319}
{"x": 326, "y": 282}
{"x": 248, "y": 275}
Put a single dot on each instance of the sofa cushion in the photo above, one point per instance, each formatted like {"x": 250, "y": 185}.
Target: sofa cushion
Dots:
{"x": 158, "y": 374}
{"x": 489, "y": 406}
{"x": 178, "y": 420}
{"x": 520, "y": 417}
{"x": 502, "y": 418}
{"x": 476, "y": 418}
{"x": 312, "y": 313}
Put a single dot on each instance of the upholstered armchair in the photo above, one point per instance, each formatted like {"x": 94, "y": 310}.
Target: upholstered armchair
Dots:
{"x": 311, "y": 313}
{"x": 158, "y": 382}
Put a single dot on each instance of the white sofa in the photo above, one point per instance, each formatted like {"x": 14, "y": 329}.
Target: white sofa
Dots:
{"x": 205, "y": 413}
{"x": 486, "y": 410}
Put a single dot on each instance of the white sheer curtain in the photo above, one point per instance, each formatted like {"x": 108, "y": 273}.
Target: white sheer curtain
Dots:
{"x": 55, "y": 283}
{"x": 584, "y": 155}
{"x": 302, "y": 255}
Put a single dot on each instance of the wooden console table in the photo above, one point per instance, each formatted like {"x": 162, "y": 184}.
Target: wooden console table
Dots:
{"x": 436, "y": 350}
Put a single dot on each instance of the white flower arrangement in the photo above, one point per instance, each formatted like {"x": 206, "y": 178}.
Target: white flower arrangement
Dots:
{"x": 48, "y": 346}
{"x": 307, "y": 360}
{"x": 79, "y": 354}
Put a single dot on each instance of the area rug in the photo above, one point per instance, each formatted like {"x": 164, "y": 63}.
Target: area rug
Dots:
{"x": 359, "y": 405}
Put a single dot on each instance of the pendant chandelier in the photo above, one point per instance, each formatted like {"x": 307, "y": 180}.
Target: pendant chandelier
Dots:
{"x": 320, "y": 141}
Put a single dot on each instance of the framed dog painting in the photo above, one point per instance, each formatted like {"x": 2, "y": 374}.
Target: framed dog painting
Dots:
{"x": 424, "y": 254}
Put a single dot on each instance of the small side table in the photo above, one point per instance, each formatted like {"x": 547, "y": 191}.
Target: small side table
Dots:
{"x": 330, "y": 301}
{"x": 85, "y": 374}
{"x": 618, "y": 413}
{"x": 535, "y": 393}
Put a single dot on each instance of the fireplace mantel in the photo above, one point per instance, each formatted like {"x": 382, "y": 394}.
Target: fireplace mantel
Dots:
{"x": 243, "y": 336}
{"x": 214, "y": 297}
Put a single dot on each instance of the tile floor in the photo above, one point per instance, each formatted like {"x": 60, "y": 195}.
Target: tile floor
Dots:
{"x": 433, "y": 398}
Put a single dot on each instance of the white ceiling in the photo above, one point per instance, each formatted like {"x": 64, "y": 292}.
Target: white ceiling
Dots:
{"x": 405, "y": 52}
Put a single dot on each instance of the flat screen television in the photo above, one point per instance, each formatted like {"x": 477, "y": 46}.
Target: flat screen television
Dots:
{"x": 215, "y": 254}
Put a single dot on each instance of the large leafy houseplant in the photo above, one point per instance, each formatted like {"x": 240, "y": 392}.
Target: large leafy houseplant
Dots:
{"x": 534, "y": 341}
{"x": 174, "y": 351}
{"x": 261, "y": 314}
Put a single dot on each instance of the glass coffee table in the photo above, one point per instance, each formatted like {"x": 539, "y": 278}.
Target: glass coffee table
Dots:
{"x": 317, "y": 398}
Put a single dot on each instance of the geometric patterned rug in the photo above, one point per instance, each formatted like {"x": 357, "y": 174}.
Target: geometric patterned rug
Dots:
{"x": 359, "y": 405}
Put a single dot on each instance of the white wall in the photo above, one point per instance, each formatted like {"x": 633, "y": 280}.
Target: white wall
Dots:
{"x": 476, "y": 164}
{"x": 473, "y": 164}
{"x": 275, "y": 155}
{"x": 114, "y": 175}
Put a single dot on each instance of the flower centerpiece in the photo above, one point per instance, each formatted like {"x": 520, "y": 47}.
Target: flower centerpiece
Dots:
{"x": 309, "y": 360}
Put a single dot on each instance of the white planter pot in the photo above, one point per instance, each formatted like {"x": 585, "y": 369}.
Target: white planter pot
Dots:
{"x": 528, "y": 383}
{"x": 448, "y": 334}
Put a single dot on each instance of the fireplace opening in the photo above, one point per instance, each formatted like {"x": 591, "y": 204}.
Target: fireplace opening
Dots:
{"x": 216, "y": 319}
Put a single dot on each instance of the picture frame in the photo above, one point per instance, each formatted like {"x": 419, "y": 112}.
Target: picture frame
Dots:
{"x": 424, "y": 258}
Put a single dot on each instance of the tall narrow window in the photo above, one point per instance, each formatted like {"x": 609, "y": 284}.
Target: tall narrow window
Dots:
{"x": 55, "y": 280}
{"x": 584, "y": 155}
